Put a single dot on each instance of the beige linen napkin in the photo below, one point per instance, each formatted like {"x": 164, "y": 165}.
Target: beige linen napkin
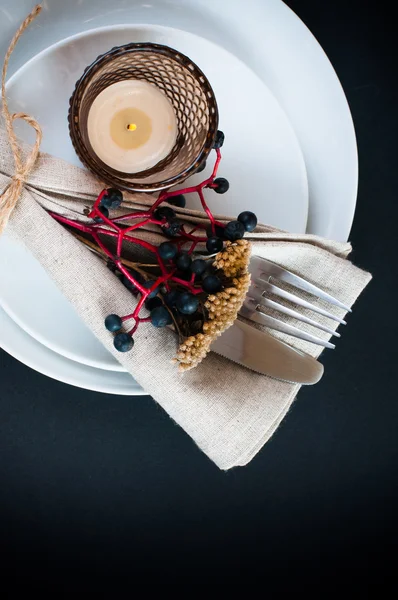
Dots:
{"x": 229, "y": 411}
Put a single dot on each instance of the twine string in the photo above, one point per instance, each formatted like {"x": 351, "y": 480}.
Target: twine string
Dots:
{"x": 10, "y": 196}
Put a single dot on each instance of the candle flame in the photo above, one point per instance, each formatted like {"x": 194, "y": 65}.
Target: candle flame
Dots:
{"x": 131, "y": 126}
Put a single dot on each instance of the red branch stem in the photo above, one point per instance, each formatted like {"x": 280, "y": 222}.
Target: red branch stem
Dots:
{"x": 106, "y": 227}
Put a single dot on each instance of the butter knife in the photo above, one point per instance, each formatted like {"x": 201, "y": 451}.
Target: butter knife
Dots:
{"x": 261, "y": 352}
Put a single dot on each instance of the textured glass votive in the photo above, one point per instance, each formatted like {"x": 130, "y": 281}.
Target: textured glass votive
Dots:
{"x": 189, "y": 93}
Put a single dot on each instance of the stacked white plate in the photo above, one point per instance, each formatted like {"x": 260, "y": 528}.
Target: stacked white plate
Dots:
{"x": 290, "y": 152}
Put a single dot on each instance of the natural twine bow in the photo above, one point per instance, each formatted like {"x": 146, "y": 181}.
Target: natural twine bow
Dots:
{"x": 10, "y": 196}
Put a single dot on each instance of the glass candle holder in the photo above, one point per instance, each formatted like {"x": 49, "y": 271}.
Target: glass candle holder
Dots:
{"x": 185, "y": 86}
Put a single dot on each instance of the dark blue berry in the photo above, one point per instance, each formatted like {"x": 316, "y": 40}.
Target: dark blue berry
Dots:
{"x": 152, "y": 303}
{"x": 172, "y": 228}
{"x": 112, "y": 199}
{"x": 171, "y": 298}
{"x": 123, "y": 342}
{"x": 148, "y": 284}
{"x": 222, "y": 185}
{"x": 183, "y": 261}
{"x": 218, "y": 231}
{"x": 219, "y": 139}
{"x": 164, "y": 212}
{"x": 198, "y": 266}
{"x": 202, "y": 167}
{"x": 214, "y": 244}
{"x": 211, "y": 284}
{"x": 187, "y": 303}
{"x": 113, "y": 323}
{"x": 167, "y": 251}
{"x": 104, "y": 211}
{"x": 248, "y": 220}
{"x": 161, "y": 317}
{"x": 234, "y": 230}
{"x": 178, "y": 201}
{"x": 105, "y": 202}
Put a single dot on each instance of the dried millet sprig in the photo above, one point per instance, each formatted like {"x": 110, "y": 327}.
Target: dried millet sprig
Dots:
{"x": 234, "y": 259}
{"x": 222, "y": 307}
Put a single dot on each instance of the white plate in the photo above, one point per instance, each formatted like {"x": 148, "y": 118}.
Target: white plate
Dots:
{"x": 271, "y": 40}
{"x": 29, "y": 296}
{"x": 19, "y": 344}
{"x": 261, "y": 159}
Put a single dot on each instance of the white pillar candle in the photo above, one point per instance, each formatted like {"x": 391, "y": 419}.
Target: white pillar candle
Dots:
{"x": 131, "y": 126}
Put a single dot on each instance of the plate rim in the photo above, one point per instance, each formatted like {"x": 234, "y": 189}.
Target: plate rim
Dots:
{"x": 55, "y": 344}
{"x": 284, "y": 12}
{"x": 14, "y": 347}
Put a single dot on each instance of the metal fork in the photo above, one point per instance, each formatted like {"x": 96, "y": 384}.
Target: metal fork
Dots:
{"x": 265, "y": 276}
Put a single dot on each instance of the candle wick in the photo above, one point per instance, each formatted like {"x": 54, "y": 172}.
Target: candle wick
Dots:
{"x": 131, "y": 126}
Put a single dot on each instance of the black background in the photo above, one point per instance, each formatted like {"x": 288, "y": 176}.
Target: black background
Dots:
{"x": 108, "y": 485}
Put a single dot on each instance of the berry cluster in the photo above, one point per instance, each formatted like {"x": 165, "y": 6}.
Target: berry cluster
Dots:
{"x": 177, "y": 294}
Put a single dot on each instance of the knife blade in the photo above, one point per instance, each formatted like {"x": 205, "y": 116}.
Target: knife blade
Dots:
{"x": 261, "y": 352}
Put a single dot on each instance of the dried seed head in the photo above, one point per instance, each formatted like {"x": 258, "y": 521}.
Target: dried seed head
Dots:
{"x": 222, "y": 307}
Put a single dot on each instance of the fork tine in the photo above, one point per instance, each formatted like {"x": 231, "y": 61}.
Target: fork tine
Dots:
{"x": 249, "y": 311}
{"x": 288, "y": 311}
{"x": 273, "y": 270}
{"x": 274, "y": 289}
